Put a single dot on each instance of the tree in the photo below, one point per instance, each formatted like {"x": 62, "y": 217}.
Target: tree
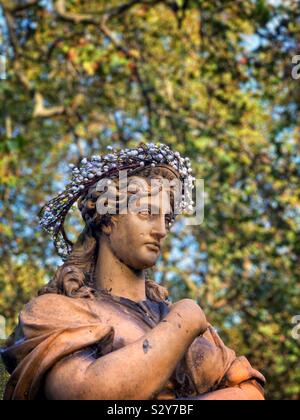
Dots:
{"x": 210, "y": 78}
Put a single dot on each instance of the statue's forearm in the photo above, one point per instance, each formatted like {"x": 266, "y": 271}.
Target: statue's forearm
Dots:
{"x": 246, "y": 391}
{"x": 136, "y": 371}
{"x": 140, "y": 370}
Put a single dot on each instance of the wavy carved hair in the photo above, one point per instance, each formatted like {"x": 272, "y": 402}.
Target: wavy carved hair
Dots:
{"x": 75, "y": 278}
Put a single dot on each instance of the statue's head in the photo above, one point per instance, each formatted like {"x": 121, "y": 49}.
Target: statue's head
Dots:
{"x": 135, "y": 235}
{"x": 130, "y": 215}
{"x": 134, "y": 218}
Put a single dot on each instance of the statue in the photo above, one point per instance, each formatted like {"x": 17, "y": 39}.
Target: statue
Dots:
{"x": 102, "y": 329}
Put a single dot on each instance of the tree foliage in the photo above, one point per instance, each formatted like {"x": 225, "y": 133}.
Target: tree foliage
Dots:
{"x": 211, "y": 78}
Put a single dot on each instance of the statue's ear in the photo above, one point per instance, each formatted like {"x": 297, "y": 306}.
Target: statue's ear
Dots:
{"x": 108, "y": 227}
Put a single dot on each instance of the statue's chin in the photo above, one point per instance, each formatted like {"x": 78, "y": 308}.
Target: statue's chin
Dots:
{"x": 143, "y": 259}
{"x": 144, "y": 263}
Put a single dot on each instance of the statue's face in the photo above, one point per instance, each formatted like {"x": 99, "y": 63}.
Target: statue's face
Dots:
{"x": 138, "y": 237}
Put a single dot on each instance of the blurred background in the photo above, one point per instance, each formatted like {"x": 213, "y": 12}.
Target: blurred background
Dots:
{"x": 218, "y": 80}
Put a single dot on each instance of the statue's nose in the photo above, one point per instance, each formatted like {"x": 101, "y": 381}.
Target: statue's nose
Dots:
{"x": 159, "y": 229}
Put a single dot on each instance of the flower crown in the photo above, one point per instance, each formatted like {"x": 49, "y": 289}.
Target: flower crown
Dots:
{"x": 91, "y": 170}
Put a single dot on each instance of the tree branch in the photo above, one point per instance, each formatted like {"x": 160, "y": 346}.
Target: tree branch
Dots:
{"x": 115, "y": 11}
{"x": 101, "y": 22}
{"x": 39, "y": 109}
{"x": 60, "y": 9}
{"x": 28, "y": 5}
{"x": 11, "y": 30}
{"x": 96, "y": 19}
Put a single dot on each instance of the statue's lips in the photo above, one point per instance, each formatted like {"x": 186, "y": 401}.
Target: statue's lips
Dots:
{"x": 154, "y": 246}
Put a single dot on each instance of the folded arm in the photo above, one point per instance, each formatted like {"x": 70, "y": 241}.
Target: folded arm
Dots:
{"x": 218, "y": 373}
{"x": 246, "y": 391}
{"x": 136, "y": 371}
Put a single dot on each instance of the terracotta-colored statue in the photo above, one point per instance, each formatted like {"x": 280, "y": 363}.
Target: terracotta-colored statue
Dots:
{"x": 101, "y": 329}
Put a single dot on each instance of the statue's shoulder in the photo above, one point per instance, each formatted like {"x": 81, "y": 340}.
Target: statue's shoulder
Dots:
{"x": 53, "y": 300}
{"x": 54, "y": 306}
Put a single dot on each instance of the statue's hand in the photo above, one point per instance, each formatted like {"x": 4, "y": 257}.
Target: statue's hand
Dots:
{"x": 241, "y": 371}
{"x": 188, "y": 311}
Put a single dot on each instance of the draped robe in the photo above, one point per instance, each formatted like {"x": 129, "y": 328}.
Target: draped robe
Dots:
{"x": 52, "y": 327}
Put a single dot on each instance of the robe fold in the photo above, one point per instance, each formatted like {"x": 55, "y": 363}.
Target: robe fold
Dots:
{"x": 52, "y": 327}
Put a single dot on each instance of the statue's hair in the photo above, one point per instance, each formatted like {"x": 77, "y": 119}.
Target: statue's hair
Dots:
{"x": 75, "y": 278}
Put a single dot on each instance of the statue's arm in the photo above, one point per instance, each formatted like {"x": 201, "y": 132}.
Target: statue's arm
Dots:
{"x": 136, "y": 371}
{"x": 247, "y": 391}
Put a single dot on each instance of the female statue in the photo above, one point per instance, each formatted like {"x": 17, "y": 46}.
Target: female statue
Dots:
{"x": 101, "y": 329}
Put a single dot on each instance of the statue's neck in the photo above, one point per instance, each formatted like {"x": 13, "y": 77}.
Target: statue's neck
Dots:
{"x": 115, "y": 276}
